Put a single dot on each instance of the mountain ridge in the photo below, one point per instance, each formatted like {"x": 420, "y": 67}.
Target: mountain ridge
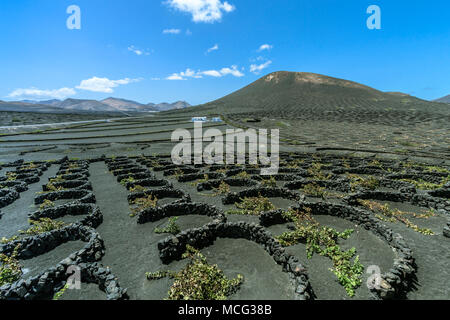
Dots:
{"x": 88, "y": 105}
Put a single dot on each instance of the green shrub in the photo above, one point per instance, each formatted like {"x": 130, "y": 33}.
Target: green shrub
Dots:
{"x": 323, "y": 241}
{"x": 198, "y": 280}
{"x": 384, "y": 213}
{"x": 137, "y": 189}
{"x": 271, "y": 182}
{"x": 370, "y": 183}
{"x": 124, "y": 182}
{"x": 143, "y": 203}
{"x": 314, "y": 190}
{"x": 171, "y": 227}
{"x": 242, "y": 175}
{"x": 61, "y": 292}
{"x": 222, "y": 189}
{"x": 46, "y": 204}
{"x": 425, "y": 185}
{"x": 10, "y": 269}
{"x": 252, "y": 206}
{"x": 42, "y": 225}
{"x": 315, "y": 170}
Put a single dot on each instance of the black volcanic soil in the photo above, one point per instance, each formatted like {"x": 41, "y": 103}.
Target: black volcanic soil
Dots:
{"x": 131, "y": 248}
{"x": 8, "y": 118}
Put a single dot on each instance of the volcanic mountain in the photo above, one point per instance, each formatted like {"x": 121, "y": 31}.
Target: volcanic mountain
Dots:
{"x": 292, "y": 94}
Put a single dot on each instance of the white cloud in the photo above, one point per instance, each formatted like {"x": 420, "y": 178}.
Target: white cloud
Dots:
{"x": 212, "y": 73}
{"x": 202, "y": 10}
{"x": 184, "y": 74}
{"x": 171, "y": 31}
{"x": 104, "y": 85}
{"x": 265, "y": 47}
{"x": 34, "y": 93}
{"x": 175, "y": 76}
{"x": 138, "y": 51}
{"x": 256, "y": 69}
{"x": 233, "y": 71}
{"x": 214, "y": 48}
{"x": 189, "y": 73}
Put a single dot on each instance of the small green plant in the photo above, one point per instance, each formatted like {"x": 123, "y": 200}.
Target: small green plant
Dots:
{"x": 323, "y": 241}
{"x": 73, "y": 166}
{"x": 345, "y": 163}
{"x": 223, "y": 188}
{"x": 10, "y": 268}
{"x": 196, "y": 183}
{"x": 52, "y": 188}
{"x": 178, "y": 173}
{"x": 425, "y": 185}
{"x": 252, "y": 206}
{"x": 143, "y": 203}
{"x": 42, "y": 225}
{"x": 8, "y": 240}
{"x": 46, "y": 204}
{"x": 224, "y": 170}
{"x": 315, "y": 170}
{"x": 29, "y": 166}
{"x": 375, "y": 163}
{"x": 384, "y": 213}
{"x": 271, "y": 182}
{"x": 356, "y": 181}
{"x": 242, "y": 175}
{"x": 137, "y": 188}
{"x": 314, "y": 190}
{"x": 127, "y": 180}
{"x": 11, "y": 176}
{"x": 436, "y": 169}
{"x": 198, "y": 280}
{"x": 58, "y": 179}
{"x": 171, "y": 227}
{"x": 157, "y": 275}
{"x": 295, "y": 164}
{"x": 61, "y": 292}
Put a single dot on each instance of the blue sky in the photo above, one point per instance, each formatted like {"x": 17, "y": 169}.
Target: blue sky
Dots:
{"x": 140, "y": 49}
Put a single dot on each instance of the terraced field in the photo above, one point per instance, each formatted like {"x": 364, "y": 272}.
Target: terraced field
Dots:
{"x": 104, "y": 198}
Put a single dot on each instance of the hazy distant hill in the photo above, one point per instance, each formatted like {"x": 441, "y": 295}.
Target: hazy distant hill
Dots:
{"x": 80, "y": 105}
{"x": 53, "y": 102}
{"x": 445, "y": 99}
{"x": 85, "y": 105}
{"x": 127, "y": 105}
{"x": 296, "y": 94}
{"x": 27, "y": 107}
{"x": 170, "y": 106}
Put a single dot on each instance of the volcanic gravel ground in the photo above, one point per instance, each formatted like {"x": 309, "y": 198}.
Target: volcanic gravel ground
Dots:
{"x": 33, "y": 267}
{"x": 15, "y": 216}
{"x": 131, "y": 244}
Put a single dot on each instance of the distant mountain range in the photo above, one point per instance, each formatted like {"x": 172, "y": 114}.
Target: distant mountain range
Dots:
{"x": 445, "y": 99}
{"x": 80, "y": 105}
